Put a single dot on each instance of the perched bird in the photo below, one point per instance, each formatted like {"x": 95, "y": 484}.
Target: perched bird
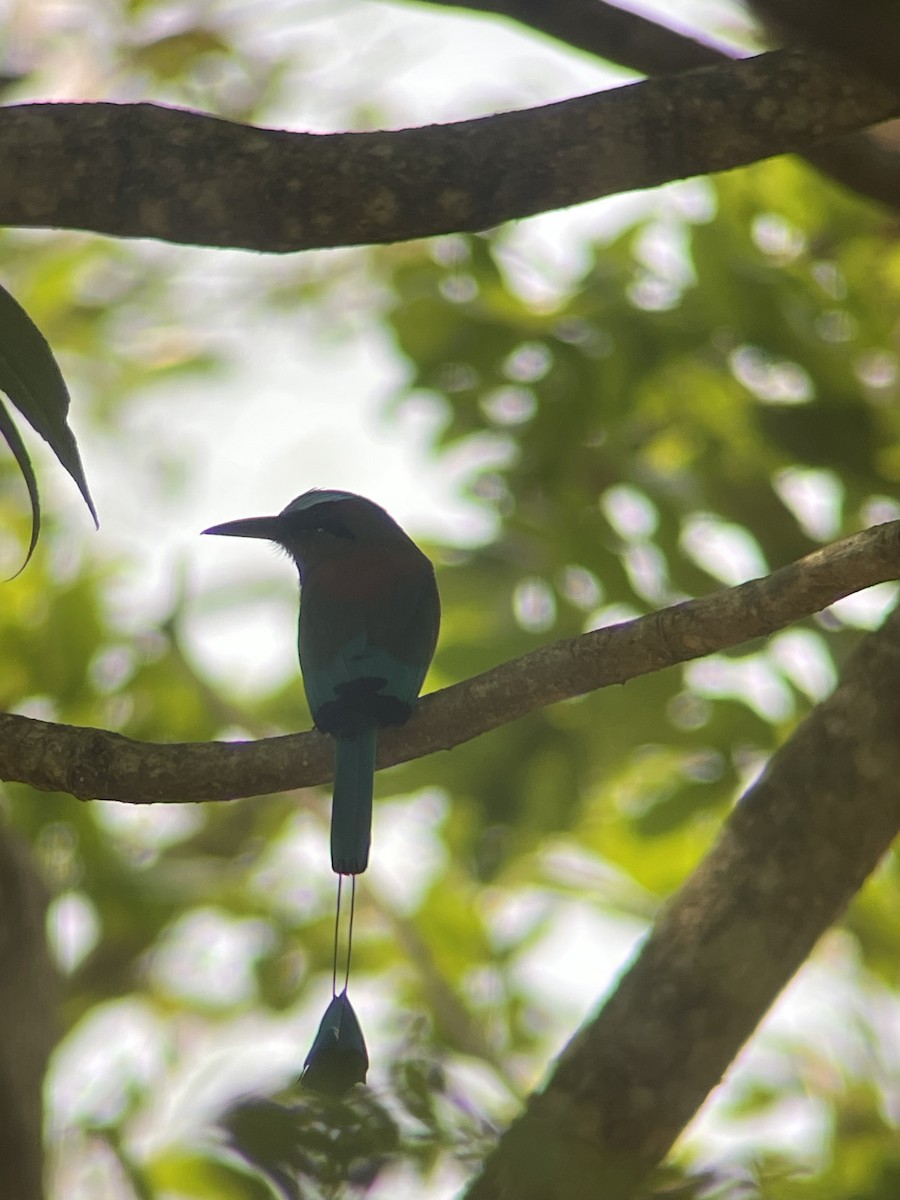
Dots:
{"x": 369, "y": 618}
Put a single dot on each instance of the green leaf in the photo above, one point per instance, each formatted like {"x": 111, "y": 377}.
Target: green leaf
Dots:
{"x": 172, "y": 56}
{"x": 30, "y": 377}
{"x": 189, "y": 1173}
{"x": 20, "y": 454}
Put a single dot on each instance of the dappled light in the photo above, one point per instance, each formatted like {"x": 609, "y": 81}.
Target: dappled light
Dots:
{"x": 582, "y": 419}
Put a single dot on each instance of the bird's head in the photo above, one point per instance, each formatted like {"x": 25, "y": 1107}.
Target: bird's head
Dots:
{"x": 319, "y": 524}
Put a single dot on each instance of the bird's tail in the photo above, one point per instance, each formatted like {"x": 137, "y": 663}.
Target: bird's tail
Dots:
{"x": 351, "y": 808}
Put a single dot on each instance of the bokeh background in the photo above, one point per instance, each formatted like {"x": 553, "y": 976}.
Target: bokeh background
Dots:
{"x": 581, "y": 418}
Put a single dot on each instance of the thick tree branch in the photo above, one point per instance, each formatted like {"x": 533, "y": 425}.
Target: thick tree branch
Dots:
{"x": 28, "y": 1019}
{"x": 93, "y": 763}
{"x": 866, "y": 32}
{"x": 604, "y": 30}
{"x": 859, "y": 161}
{"x": 145, "y": 171}
{"x": 793, "y": 853}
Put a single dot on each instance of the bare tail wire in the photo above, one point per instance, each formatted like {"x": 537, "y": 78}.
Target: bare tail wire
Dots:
{"x": 337, "y": 929}
{"x": 337, "y": 934}
{"x": 350, "y": 931}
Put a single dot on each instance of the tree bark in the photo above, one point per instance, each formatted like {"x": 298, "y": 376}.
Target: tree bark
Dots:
{"x": 865, "y": 33}
{"x": 795, "y": 850}
{"x": 145, "y": 171}
{"x": 28, "y": 1021}
{"x": 96, "y": 764}
{"x": 601, "y": 29}
{"x": 867, "y": 162}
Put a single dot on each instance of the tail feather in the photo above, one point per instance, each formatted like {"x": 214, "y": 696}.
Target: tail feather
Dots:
{"x": 351, "y": 808}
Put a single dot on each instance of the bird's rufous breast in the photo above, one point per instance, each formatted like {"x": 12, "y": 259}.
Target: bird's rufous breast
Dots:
{"x": 364, "y": 576}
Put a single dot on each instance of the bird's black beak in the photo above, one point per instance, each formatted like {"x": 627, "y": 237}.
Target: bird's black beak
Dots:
{"x": 270, "y": 528}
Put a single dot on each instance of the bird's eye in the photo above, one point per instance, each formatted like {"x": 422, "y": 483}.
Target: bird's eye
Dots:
{"x": 334, "y": 527}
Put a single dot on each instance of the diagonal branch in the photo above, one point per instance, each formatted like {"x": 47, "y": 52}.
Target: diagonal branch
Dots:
{"x": 859, "y": 160}
{"x": 145, "y": 171}
{"x": 866, "y": 32}
{"x": 602, "y": 29}
{"x": 29, "y": 998}
{"x": 796, "y": 849}
{"x": 93, "y": 763}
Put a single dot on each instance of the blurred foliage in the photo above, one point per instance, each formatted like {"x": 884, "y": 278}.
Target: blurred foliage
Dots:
{"x": 717, "y": 393}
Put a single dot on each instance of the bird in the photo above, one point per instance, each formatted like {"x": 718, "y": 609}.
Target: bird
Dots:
{"x": 369, "y": 621}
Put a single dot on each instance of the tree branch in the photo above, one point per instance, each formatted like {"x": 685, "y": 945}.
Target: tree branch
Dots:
{"x": 866, "y": 32}
{"x": 28, "y": 1019}
{"x": 145, "y": 171}
{"x": 603, "y": 30}
{"x": 859, "y": 161}
{"x": 795, "y": 850}
{"x": 94, "y": 763}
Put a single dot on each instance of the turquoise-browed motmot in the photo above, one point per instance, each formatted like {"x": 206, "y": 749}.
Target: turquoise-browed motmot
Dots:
{"x": 369, "y": 617}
